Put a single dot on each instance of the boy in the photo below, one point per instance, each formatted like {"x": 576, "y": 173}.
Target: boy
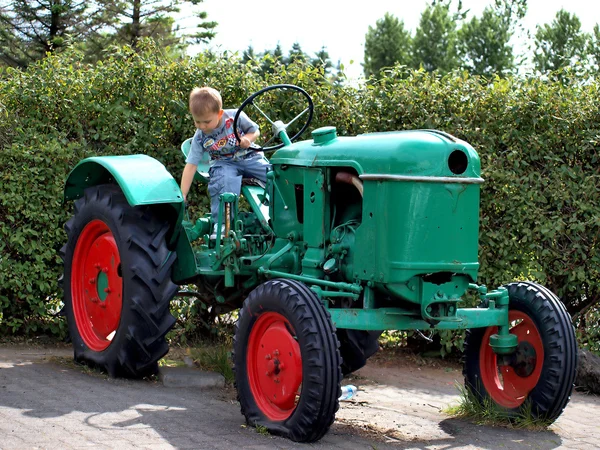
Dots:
{"x": 230, "y": 160}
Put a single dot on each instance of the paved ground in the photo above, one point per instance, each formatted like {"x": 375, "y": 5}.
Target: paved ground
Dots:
{"x": 47, "y": 403}
{"x": 408, "y": 397}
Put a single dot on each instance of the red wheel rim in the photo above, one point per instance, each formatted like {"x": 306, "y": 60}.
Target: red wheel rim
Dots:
{"x": 96, "y": 285}
{"x": 274, "y": 366}
{"x": 506, "y": 386}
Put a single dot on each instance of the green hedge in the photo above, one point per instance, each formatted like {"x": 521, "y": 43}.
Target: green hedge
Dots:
{"x": 538, "y": 143}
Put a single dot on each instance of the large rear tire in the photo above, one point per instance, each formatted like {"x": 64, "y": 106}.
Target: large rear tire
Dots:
{"x": 356, "y": 346}
{"x": 541, "y": 372}
{"x": 287, "y": 361}
{"x": 117, "y": 284}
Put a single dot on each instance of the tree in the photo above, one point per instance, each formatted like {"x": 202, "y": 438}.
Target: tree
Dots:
{"x": 205, "y": 29}
{"x": 277, "y": 53}
{"x": 594, "y": 49}
{"x": 386, "y": 44}
{"x": 560, "y": 44}
{"x": 153, "y": 18}
{"x": 269, "y": 58}
{"x": 483, "y": 43}
{"x": 322, "y": 60}
{"x": 434, "y": 44}
{"x": 248, "y": 55}
{"x": 31, "y": 28}
{"x": 296, "y": 54}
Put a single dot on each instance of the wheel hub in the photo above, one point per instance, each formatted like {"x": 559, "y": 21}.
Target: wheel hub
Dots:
{"x": 102, "y": 284}
{"x": 279, "y": 384}
{"x": 524, "y": 359}
{"x": 274, "y": 366}
{"x": 97, "y": 285}
{"x": 510, "y": 380}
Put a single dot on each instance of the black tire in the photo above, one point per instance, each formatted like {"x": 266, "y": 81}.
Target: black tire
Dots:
{"x": 356, "y": 346}
{"x": 542, "y": 384}
{"x": 284, "y": 325}
{"x": 124, "y": 333}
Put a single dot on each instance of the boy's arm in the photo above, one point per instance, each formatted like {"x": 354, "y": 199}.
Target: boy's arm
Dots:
{"x": 186, "y": 178}
{"x": 195, "y": 149}
{"x": 247, "y": 139}
{"x": 250, "y": 129}
{"x": 192, "y": 160}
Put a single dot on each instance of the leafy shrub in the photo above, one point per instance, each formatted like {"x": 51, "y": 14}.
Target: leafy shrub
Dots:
{"x": 31, "y": 233}
{"x": 587, "y": 327}
{"x": 538, "y": 142}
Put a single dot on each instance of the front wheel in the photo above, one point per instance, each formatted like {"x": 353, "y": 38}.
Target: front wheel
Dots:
{"x": 117, "y": 283}
{"x": 287, "y": 361}
{"x": 539, "y": 376}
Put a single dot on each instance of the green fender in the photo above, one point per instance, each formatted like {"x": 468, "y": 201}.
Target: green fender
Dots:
{"x": 144, "y": 181}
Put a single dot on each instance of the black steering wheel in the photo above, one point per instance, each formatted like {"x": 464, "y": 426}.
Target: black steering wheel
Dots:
{"x": 278, "y": 125}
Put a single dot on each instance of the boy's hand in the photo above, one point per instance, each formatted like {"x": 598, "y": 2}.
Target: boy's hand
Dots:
{"x": 245, "y": 142}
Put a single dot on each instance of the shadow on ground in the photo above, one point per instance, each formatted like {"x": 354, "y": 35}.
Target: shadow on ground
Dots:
{"x": 47, "y": 401}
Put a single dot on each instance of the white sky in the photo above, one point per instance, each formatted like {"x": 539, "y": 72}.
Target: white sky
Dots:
{"x": 341, "y": 28}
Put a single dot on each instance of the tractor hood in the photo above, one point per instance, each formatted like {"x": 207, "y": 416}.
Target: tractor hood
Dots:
{"x": 415, "y": 153}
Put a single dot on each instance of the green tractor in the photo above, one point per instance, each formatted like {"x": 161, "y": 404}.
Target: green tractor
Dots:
{"x": 350, "y": 236}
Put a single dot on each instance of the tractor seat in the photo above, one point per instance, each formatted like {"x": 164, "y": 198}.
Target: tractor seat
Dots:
{"x": 204, "y": 167}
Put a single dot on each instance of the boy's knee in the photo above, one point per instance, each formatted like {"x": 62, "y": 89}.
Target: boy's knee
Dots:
{"x": 260, "y": 169}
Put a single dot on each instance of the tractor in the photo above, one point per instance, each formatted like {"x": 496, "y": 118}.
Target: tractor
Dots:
{"x": 348, "y": 237}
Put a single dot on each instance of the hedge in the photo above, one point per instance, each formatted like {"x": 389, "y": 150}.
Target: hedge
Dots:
{"x": 538, "y": 141}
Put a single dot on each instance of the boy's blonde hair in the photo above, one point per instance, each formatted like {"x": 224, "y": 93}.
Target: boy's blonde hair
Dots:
{"x": 205, "y": 100}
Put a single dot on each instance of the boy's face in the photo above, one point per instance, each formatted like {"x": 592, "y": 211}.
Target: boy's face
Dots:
{"x": 207, "y": 122}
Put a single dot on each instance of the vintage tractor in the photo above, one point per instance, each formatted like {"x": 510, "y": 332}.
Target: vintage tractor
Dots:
{"x": 350, "y": 236}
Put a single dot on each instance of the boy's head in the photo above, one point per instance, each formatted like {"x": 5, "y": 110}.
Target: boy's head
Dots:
{"x": 206, "y": 107}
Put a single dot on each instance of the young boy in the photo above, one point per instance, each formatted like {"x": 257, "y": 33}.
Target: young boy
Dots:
{"x": 230, "y": 160}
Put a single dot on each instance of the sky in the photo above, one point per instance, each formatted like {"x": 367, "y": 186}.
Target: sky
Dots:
{"x": 341, "y": 28}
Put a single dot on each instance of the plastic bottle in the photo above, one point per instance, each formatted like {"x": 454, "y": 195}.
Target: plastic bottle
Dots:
{"x": 348, "y": 392}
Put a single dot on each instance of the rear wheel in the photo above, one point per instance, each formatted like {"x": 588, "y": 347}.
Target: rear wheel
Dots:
{"x": 117, "y": 283}
{"x": 540, "y": 374}
{"x": 287, "y": 362}
{"x": 356, "y": 346}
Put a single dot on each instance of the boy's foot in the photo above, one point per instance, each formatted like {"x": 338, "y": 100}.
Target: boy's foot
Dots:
{"x": 214, "y": 233}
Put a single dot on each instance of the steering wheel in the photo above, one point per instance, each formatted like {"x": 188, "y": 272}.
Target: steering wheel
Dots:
{"x": 278, "y": 126}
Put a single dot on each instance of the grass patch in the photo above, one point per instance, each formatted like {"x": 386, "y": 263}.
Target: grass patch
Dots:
{"x": 262, "y": 430}
{"x": 489, "y": 413}
{"x": 166, "y": 362}
{"x": 70, "y": 363}
{"x": 214, "y": 357}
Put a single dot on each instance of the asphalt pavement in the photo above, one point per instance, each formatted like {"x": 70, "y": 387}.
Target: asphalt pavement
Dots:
{"x": 48, "y": 402}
